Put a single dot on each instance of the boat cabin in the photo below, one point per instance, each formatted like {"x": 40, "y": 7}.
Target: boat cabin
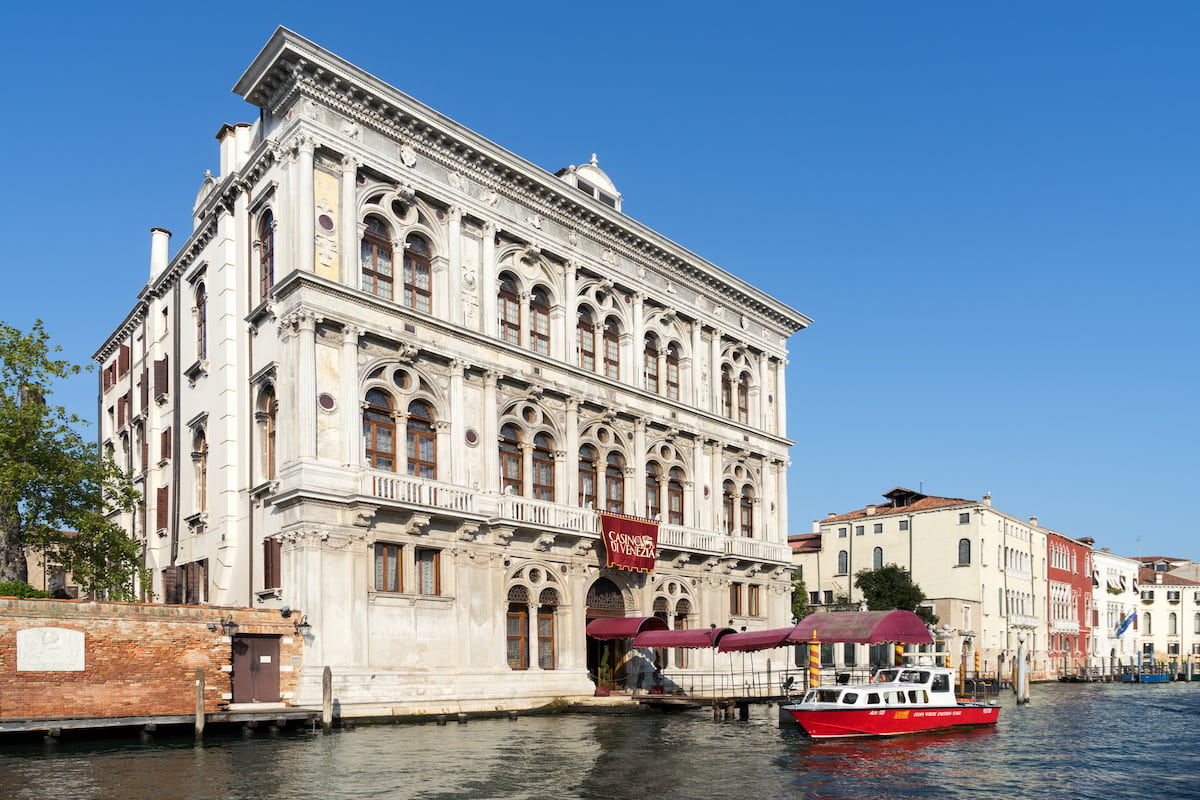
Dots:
{"x": 890, "y": 688}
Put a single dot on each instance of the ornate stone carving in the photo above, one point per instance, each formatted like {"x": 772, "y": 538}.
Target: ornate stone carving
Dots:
{"x": 418, "y": 524}
{"x": 544, "y": 542}
{"x": 408, "y": 156}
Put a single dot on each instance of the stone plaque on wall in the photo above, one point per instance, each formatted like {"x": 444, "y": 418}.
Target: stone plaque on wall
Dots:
{"x": 49, "y": 650}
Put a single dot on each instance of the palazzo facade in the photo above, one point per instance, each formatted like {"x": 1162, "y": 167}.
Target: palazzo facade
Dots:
{"x": 392, "y": 373}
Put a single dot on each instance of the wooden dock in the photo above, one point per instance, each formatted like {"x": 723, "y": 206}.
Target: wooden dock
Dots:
{"x": 278, "y": 718}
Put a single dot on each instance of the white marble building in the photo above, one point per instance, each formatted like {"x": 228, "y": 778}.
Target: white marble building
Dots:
{"x": 393, "y": 369}
{"x": 1114, "y": 596}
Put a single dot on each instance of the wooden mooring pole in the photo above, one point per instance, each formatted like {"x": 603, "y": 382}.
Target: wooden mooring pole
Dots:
{"x": 327, "y": 700}
{"x": 199, "y": 703}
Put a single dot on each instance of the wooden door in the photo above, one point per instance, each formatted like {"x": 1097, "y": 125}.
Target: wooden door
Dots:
{"x": 255, "y": 669}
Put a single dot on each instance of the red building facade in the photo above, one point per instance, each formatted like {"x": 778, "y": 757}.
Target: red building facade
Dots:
{"x": 1069, "y": 581}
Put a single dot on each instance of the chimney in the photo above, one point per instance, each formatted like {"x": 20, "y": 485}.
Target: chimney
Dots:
{"x": 816, "y": 526}
{"x": 830, "y": 515}
{"x": 1033, "y": 521}
{"x": 160, "y": 239}
{"x": 987, "y": 499}
{"x": 227, "y": 136}
{"x": 870, "y": 511}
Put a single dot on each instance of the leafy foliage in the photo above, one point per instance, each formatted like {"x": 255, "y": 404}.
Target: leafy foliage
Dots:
{"x": 57, "y": 491}
{"x": 799, "y": 597}
{"x": 890, "y": 587}
{"x": 20, "y": 589}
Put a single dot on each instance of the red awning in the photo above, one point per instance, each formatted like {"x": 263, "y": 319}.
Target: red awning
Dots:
{"x": 623, "y": 627}
{"x": 862, "y": 627}
{"x": 691, "y": 637}
{"x": 755, "y": 640}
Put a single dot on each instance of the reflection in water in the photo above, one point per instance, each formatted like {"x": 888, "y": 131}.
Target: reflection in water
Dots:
{"x": 1075, "y": 742}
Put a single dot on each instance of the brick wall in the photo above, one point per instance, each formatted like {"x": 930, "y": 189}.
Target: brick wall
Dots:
{"x": 140, "y": 659}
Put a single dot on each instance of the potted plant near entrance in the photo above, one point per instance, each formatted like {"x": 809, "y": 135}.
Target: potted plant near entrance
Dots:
{"x": 603, "y": 676}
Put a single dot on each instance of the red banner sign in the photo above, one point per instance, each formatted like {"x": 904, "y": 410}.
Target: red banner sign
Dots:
{"x": 631, "y": 543}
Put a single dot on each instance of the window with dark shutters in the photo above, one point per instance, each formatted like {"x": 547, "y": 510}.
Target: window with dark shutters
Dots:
{"x": 164, "y": 445}
{"x": 123, "y": 360}
{"x": 161, "y": 377}
{"x": 172, "y": 586}
{"x": 272, "y": 558}
{"x": 162, "y": 516}
{"x": 144, "y": 391}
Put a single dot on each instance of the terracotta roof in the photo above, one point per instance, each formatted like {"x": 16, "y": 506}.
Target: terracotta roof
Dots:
{"x": 1148, "y": 577}
{"x": 917, "y": 502}
{"x": 1154, "y": 559}
{"x": 804, "y": 542}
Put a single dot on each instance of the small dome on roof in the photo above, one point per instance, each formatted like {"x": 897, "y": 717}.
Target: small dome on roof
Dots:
{"x": 590, "y": 179}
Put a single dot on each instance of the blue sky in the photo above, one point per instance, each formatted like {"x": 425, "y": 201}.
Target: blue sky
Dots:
{"x": 990, "y": 211}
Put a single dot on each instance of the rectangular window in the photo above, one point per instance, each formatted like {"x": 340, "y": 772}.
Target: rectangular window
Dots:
{"x": 828, "y": 597}
{"x": 388, "y": 575}
{"x": 650, "y": 359}
{"x": 843, "y": 533}
{"x": 164, "y": 445}
{"x": 903, "y": 524}
{"x": 964, "y": 518}
{"x": 735, "y": 599}
{"x": 877, "y": 528}
{"x": 1173, "y": 596}
{"x": 545, "y": 623}
{"x": 752, "y": 600}
{"x": 849, "y": 654}
{"x": 516, "y": 633}
{"x": 161, "y": 377}
{"x": 1147, "y": 594}
{"x": 429, "y": 571}
{"x": 162, "y": 510}
{"x": 612, "y": 358}
{"x": 672, "y": 380}
{"x": 272, "y": 566}
{"x": 814, "y": 598}
{"x": 859, "y": 530}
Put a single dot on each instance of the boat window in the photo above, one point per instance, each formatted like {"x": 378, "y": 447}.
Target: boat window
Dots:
{"x": 916, "y": 696}
{"x": 886, "y": 675}
{"x": 941, "y": 683}
{"x": 873, "y": 698}
{"x": 850, "y": 698}
{"x": 920, "y": 677}
{"x": 828, "y": 695}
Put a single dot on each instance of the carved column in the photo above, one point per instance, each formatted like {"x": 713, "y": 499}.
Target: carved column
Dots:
{"x": 781, "y": 495}
{"x": 306, "y": 382}
{"x": 523, "y": 327}
{"x": 780, "y": 398}
{"x": 350, "y": 406}
{"x": 491, "y": 323}
{"x": 696, "y": 506}
{"x": 639, "y": 465}
{"x": 348, "y": 238}
{"x": 764, "y": 391}
{"x": 489, "y": 436}
{"x": 697, "y": 391}
{"x": 571, "y": 432}
{"x": 452, "y": 305}
{"x": 458, "y": 445}
{"x": 567, "y": 351}
{"x": 715, "y": 453}
{"x": 306, "y": 241}
{"x": 638, "y": 335}
{"x": 526, "y": 469}
{"x": 714, "y": 371}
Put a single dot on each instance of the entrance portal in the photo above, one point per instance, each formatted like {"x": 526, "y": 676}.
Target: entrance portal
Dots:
{"x": 606, "y": 659}
{"x": 255, "y": 669}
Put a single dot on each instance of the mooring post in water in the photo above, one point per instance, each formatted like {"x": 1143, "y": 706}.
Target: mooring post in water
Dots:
{"x": 1022, "y": 687}
{"x": 327, "y": 700}
{"x": 199, "y": 703}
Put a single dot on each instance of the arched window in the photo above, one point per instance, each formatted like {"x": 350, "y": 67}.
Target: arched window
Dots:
{"x": 539, "y": 321}
{"x": 675, "y": 497}
{"x": 877, "y": 558}
{"x": 743, "y": 399}
{"x": 1172, "y": 625}
{"x": 422, "y": 441}
{"x": 746, "y": 512}
{"x": 612, "y": 350}
{"x": 1196, "y": 624}
{"x": 517, "y": 628}
{"x": 510, "y": 311}
{"x": 673, "y": 372}
{"x": 379, "y": 431}
{"x": 200, "y": 459}
{"x": 964, "y": 552}
{"x": 614, "y": 484}
{"x": 587, "y": 477}
{"x": 653, "y": 490}
{"x": 650, "y": 364}
{"x": 266, "y": 256}
{"x": 201, "y": 322}
{"x": 727, "y": 507}
{"x": 376, "y": 256}
{"x": 1146, "y": 623}
{"x": 418, "y": 280}
{"x": 547, "y": 605}
{"x": 843, "y": 567}
{"x": 726, "y": 393}
{"x": 587, "y": 341}
{"x": 511, "y": 467}
{"x": 543, "y": 467}
{"x": 682, "y": 609}
{"x": 265, "y": 416}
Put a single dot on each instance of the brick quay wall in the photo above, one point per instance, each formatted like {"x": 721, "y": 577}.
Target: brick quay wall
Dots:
{"x": 135, "y": 659}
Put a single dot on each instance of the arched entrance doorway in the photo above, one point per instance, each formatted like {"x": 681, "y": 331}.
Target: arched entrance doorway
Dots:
{"x": 606, "y": 659}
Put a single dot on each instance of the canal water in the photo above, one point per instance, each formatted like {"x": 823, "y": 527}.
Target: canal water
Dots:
{"x": 1073, "y": 741}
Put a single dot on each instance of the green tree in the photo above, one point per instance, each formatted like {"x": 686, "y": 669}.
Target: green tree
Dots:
{"x": 891, "y": 586}
{"x": 57, "y": 491}
{"x": 799, "y": 597}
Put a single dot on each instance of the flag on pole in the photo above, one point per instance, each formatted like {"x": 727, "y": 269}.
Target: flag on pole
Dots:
{"x": 1126, "y": 622}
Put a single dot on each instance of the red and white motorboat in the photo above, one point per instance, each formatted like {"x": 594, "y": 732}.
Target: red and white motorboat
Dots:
{"x": 896, "y": 702}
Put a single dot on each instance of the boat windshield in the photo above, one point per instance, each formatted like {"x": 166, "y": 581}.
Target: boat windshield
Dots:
{"x": 886, "y": 675}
